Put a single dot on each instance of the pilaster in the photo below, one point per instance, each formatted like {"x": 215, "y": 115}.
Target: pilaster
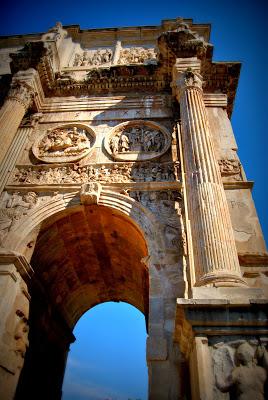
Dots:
{"x": 14, "y": 311}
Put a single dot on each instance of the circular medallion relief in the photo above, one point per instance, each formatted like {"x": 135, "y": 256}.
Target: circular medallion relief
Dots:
{"x": 65, "y": 143}
{"x": 137, "y": 140}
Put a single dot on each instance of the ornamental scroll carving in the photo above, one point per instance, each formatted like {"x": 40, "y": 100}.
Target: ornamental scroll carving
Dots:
{"x": 63, "y": 144}
{"x": 137, "y": 140}
{"x": 137, "y": 55}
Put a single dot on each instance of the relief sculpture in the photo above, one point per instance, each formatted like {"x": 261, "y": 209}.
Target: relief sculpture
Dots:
{"x": 13, "y": 207}
{"x": 230, "y": 169}
{"x": 62, "y": 145}
{"x": 137, "y": 55}
{"x": 93, "y": 58}
{"x": 137, "y": 141}
{"x": 105, "y": 173}
{"x": 241, "y": 370}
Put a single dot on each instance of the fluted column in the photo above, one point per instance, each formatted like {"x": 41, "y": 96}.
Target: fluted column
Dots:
{"x": 215, "y": 255}
{"x": 18, "y": 101}
{"x": 11, "y": 156}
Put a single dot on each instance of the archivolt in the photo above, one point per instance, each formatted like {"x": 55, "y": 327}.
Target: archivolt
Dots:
{"x": 145, "y": 221}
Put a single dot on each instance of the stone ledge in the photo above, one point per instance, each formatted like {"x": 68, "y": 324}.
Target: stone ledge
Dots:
{"x": 20, "y": 262}
{"x": 253, "y": 258}
{"x": 234, "y": 295}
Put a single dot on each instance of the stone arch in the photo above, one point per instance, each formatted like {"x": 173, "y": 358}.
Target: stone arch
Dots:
{"x": 144, "y": 219}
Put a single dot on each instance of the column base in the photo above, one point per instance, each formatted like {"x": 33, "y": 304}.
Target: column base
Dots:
{"x": 221, "y": 279}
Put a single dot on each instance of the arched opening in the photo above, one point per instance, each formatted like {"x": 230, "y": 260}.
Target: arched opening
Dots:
{"x": 84, "y": 256}
{"x": 107, "y": 360}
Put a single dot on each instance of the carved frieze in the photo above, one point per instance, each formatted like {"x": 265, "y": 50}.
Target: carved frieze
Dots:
{"x": 137, "y": 55}
{"x": 93, "y": 58}
{"x": 137, "y": 140}
{"x": 63, "y": 144}
{"x": 104, "y": 173}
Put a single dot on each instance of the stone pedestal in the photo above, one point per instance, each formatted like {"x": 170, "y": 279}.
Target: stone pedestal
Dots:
{"x": 17, "y": 103}
{"x": 214, "y": 335}
{"x": 14, "y": 311}
{"x": 214, "y": 251}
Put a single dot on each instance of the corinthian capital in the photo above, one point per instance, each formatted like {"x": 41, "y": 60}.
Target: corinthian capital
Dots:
{"x": 186, "y": 80}
{"x": 186, "y": 75}
{"x": 21, "y": 92}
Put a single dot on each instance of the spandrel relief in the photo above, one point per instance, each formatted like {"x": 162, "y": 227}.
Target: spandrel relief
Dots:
{"x": 12, "y": 208}
{"x": 63, "y": 144}
{"x": 166, "y": 205}
{"x": 137, "y": 140}
{"x": 137, "y": 55}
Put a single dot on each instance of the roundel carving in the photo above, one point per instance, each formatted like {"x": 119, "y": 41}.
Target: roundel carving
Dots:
{"x": 137, "y": 140}
{"x": 65, "y": 143}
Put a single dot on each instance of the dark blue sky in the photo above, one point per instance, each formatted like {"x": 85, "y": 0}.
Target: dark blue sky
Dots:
{"x": 239, "y": 33}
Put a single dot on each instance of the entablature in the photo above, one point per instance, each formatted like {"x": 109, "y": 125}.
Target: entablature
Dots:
{"x": 73, "y": 62}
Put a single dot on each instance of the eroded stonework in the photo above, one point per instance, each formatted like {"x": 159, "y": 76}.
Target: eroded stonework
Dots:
{"x": 120, "y": 181}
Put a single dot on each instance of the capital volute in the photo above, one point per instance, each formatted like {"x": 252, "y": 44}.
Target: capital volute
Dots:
{"x": 21, "y": 92}
{"x": 185, "y": 80}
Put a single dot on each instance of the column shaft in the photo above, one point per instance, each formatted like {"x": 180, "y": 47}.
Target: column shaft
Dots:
{"x": 19, "y": 99}
{"x": 215, "y": 254}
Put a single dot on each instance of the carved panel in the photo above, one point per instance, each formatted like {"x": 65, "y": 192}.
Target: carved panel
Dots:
{"x": 137, "y": 55}
{"x": 104, "y": 173}
{"x": 137, "y": 140}
{"x": 93, "y": 58}
{"x": 63, "y": 144}
{"x": 240, "y": 369}
{"x": 13, "y": 207}
{"x": 230, "y": 169}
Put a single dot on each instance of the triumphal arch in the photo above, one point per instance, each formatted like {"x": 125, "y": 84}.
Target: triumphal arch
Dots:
{"x": 120, "y": 181}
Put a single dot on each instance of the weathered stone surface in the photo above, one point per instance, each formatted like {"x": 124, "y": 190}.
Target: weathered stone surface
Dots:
{"x": 119, "y": 163}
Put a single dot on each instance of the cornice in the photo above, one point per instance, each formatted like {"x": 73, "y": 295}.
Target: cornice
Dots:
{"x": 177, "y": 39}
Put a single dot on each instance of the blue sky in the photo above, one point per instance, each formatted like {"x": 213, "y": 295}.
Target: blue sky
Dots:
{"x": 238, "y": 34}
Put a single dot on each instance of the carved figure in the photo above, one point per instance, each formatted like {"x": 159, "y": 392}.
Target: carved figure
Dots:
{"x": 137, "y": 55}
{"x": 90, "y": 193}
{"x": 124, "y": 142}
{"x": 93, "y": 58}
{"x": 13, "y": 209}
{"x": 137, "y": 139}
{"x": 21, "y": 335}
{"x": 66, "y": 142}
{"x": 246, "y": 380}
{"x": 121, "y": 172}
{"x": 114, "y": 143}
